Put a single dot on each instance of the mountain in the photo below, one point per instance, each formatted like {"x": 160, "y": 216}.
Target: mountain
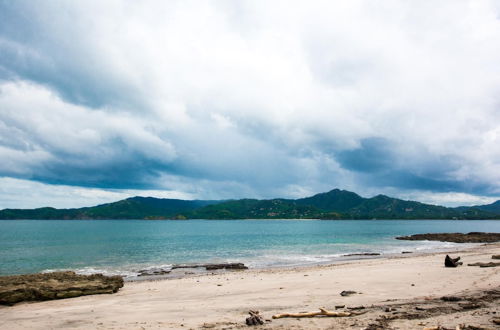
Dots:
{"x": 255, "y": 209}
{"x": 493, "y": 207}
{"x": 335, "y": 204}
{"x": 130, "y": 208}
{"x": 335, "y": 200}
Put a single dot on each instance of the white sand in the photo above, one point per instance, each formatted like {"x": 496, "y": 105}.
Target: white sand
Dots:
{"x": 222, "y": 301}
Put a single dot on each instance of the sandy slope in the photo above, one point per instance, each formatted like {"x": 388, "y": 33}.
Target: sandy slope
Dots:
{"x": 222, "y": 301}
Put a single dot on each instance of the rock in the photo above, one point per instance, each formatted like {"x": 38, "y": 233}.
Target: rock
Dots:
{"x": 225, "y": 266}
{"x": 485, "y": 264}
{"x": 58, "y": 285}
{"x": 356, "y": 307}
{"x": 153, "y": 272}
{"x": 347, "y": 293}
{"x": 236, "y": 266}
{"x": 473, "y": 237}
{"x": 496, "y": 256}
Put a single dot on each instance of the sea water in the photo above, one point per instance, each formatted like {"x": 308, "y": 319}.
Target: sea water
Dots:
{"x": 126, "y": 246}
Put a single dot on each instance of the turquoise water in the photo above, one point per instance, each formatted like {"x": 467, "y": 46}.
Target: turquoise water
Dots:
{"x": 125, "y": 246}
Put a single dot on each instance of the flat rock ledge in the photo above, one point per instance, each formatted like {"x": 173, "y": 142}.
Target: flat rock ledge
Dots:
{"x": 57, "y": 285}
{"x": 473, "y": 237}
{"x": 208, "y": 267}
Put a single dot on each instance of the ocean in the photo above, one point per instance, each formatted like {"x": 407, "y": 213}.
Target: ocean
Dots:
{"x": 127, "y": 246}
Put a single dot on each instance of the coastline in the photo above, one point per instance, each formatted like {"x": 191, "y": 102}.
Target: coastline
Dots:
{"x": 223, "y": 300}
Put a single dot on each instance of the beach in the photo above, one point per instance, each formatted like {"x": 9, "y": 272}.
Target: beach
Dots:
{"x": 384, "y": 287}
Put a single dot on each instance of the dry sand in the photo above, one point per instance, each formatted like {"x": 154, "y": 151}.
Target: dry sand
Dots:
{"x": 410, "y": 284}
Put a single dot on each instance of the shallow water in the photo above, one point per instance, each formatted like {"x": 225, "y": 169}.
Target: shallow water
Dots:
{"x": 125, "y": 246}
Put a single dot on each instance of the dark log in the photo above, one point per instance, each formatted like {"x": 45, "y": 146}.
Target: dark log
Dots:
{"x": 451, "y": 262}
{"x": 347, "y": 293}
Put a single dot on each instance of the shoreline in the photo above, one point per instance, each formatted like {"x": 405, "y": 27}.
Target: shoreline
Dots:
{"x": 341, "y": 260}
{"x": 131, "y": 274}
{"x": 223, "y": 300}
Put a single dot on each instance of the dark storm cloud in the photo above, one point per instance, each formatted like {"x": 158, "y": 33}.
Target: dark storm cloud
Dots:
{"x": 212, "y": 98}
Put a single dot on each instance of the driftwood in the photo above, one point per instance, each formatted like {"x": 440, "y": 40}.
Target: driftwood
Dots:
{"x": 254, "y": 318}
{"x": 451, "y": 262}
{"x": 322, "y": 312}
{"x": 485, "y": 264}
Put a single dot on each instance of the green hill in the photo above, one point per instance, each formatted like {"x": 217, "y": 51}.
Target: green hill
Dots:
{"x": 130, "y": 208}
{"x": 334, "y": 200}
{"x": 493, "y": 207}
{"x": 335, "y": 204}
{"x": 255, "y": 209}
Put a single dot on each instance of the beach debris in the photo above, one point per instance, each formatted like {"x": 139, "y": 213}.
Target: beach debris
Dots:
{"x": 406, "y": 252}
{"x": 469, "y": 305}
{"x": 322, "y": 312}
{"x": 339, "y": 306}
{"x": 495, "y": 256}
{"x": 361, "y": 254}
{"x": 254, "y": 318}
{"x": 56, "y": 285}
{"x": 470, "y": 327}
{"x": 473, "y": 237}
{"x": 356, "y": 307}
{"x": 346, "y": 293}
{"x": 485, "y": 264}
{"x": 496, "y": 320}
{"x": 452, "y": 262}
{"x": 450, "y": 298}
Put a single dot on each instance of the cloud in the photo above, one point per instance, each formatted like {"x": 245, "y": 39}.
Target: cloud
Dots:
{"x": 222, "y": 99}
{"x": 36, "y": 194}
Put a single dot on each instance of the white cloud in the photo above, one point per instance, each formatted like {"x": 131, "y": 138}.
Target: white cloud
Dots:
{"x": 16, "y": 193}
{"x": 251, "y": 97}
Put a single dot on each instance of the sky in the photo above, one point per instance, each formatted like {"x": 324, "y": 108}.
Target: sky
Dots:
{"x": 103, "y": 100}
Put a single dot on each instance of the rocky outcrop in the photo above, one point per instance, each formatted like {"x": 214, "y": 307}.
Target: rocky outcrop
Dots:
{"x": 474, "y": 237}
{"x": 58, "y": 285}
